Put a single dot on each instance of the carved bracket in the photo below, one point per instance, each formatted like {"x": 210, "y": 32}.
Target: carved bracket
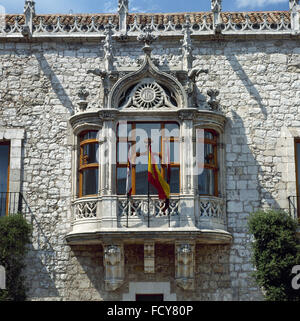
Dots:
{"x": 114, "y": 266}
{"x": 185, "y": 265}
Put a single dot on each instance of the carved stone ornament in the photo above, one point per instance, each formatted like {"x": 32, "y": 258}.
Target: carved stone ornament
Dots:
{"x": 149, "y": 257}
{"x": 114, "y": 266}
{"x": 185, "y": 265}
{"x": 148, "y": 94}
{"x": 82, "y": 103}
{"x": 213, "y": 102}
{"x": 156, "y": 89}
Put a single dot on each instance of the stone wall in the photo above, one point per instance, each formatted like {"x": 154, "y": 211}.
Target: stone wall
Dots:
{"x": 259, "y": 87}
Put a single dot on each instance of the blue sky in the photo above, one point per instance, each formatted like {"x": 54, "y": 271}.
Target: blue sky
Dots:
{"x": 110, "y": 6}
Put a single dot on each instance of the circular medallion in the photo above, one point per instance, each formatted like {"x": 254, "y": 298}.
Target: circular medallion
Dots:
{"x": 148, "y": 95}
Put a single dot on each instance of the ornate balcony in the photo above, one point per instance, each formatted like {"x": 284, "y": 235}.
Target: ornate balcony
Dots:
{"x": 138, "y": 218}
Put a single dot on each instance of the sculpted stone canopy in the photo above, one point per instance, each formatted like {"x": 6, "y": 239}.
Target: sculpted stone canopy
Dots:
{"x": 147, "y": 88}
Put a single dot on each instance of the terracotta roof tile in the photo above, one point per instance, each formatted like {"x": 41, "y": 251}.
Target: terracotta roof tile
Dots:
{"x": 158, "y": 18}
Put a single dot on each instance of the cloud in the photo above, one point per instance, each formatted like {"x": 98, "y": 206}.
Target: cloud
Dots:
{"x": 256, "y": 3}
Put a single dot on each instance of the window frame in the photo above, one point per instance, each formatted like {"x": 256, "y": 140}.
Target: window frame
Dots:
{"x": 7, "y": 143}
{"x": 83, "y": 167}
{"x": 132, "y": 140}
{"x": 297, "y": 170}
{"x": 215, "y": 166}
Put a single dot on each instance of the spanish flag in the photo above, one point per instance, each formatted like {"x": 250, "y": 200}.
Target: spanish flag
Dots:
{"x": 156, "y": 179}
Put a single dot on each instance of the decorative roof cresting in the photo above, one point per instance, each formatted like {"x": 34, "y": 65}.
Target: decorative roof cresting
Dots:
{"x": 124, "y": 24}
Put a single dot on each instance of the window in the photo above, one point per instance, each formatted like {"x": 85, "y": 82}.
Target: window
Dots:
{"x": 88, "y": 163}
{"x": 208, "y": 179}
{"x": 132, "y": 138}
{"x": 4, "y": 176}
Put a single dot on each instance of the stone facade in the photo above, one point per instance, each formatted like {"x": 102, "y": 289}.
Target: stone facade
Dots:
{"x": 257, "y": 77}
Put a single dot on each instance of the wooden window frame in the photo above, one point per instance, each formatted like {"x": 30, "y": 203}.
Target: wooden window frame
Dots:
{"x": 132, "y": 140}
{"x": 214, "y": 166}
{"x": 82, "y": 165}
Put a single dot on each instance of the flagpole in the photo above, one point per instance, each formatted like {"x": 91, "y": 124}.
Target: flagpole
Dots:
{"x": 148, "y": 189}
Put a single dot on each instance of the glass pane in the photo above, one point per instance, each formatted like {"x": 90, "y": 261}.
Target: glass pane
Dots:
{"x": 141, "y": 181}
{"x": 174, "y": 179}
{"x": 298, "y": 165}
{"x": 4, "y": 161}
{"x": 206, "y": 182}
{"x": 89, "y": 135}
{"x": 209, "y": 154}
{"x": 124, "y": 129}
{"x": 122, "y": 152}
{"x": 172, "y": 130}
{"x": 171, "y": 148}
{"x": 90, "y": 153}
{"x": 208, "y": 135}
{"x": 121, "y": 180}
{"x": 90, "y": 181}
{"x": 4, "y": 152}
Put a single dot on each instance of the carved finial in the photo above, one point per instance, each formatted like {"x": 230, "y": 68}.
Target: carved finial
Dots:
{"x": 108, "y": 45}
{"x": 187, "y": 44}
{"x": 213, "y": 102}
{"x": 82, "y": 103}
{"x": 29, "y": 12}
{"x": 293, "y": 3}
{"x": 147, "y": 37}
{"x": 216, "y": 5}
{"x": 123, "y": 10}
{"x": 216, "y": 8}
{"x": 295, "y": 15}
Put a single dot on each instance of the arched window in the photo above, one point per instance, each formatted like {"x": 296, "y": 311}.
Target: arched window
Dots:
{"x": 88, "y": 163}
{"x": 208, "y": 179}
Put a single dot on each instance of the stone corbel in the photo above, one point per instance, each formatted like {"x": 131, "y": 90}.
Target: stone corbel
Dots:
{"x": 185, "y": 265}
{"x": 114, "y": 266}
{"x": 149, "y": 257}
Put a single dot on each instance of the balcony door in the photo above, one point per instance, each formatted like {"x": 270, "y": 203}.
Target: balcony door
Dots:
{"x": 4, "y": 177}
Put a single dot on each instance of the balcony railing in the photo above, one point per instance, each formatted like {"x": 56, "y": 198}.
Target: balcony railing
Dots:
{"x": 13, "y": 203}
{"x": 151, "y": 211}
{"x": 294, "y": 207}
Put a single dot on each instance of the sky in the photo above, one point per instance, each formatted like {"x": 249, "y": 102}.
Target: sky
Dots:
{"x": 145, "y": 6}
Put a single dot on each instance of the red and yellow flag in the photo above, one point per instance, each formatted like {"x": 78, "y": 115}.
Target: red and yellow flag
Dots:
{"x": 156, "y": 179}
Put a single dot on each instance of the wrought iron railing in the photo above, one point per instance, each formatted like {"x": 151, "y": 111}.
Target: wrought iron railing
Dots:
{"x": 13, "y": 203}
{"x": 294, "y": 207}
